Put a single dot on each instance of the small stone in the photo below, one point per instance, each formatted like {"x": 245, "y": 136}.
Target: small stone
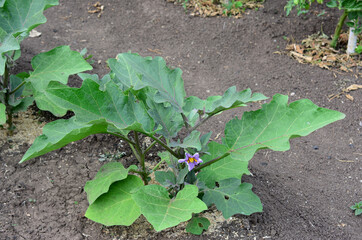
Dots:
{"x": 315, "y": 147}
{"x": 292, "y": 94}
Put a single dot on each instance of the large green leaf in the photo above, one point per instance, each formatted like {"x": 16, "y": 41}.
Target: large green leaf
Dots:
{"x": 54, "y": 65}
{"x": 270, "y": 127}
{"x": 153, "y": 73}
{"x": 59, "y": 133}
{"x": 2, "y": 114}
{"x": 17, "y": 16}
{"x": 163, "y": 212}
{"x": 89, "y": 103}
{"x": 96, "y": 111}
{"x": 233, "y": 197}
{"x": 116, "y": 207}
{"x": 7, "y": 44}
{"x": 108, "y": 174}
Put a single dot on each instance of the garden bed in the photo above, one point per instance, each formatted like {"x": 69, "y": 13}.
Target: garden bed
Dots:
{"x": 306, "y": 192}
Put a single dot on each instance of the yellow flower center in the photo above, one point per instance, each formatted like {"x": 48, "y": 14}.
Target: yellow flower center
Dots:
{"x": 191, "y": 160}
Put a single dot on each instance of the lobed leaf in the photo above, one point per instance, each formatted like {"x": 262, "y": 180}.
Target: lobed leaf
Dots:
{"x": 108, "y": 174}
{"x": 54, "y": 65}
{"x": 233, "y": 197}
{"x": 138, "y": 72}
{"x": 117, "y": 207}
{"x": 216, "y": 104}
{"x": 163, "y": 212}
{"x": 89, "y": 103}
{"x": 59, "y": 133}
{"x": 270, "y": 127}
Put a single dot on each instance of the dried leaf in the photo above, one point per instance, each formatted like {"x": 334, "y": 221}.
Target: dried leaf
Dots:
{"x": 349, "y": 97}
{"x": 354, "y": 87}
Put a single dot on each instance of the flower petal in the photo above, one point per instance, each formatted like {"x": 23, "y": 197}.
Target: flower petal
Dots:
{"x": 191, "y": 166}
{"x": 182, "y": 160}
{"x": 196, "y": 156}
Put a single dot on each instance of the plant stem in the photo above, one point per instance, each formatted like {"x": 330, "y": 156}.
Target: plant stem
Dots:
{"x": 141, "y": 159}
{"x": 211, "y": 162}
{"x": 17, "y": 88}
{"x": 149, "y": 147}
{"x": 8, "y": 107}
{"x": 123, "y": 138}
{"x": 139, "y": 150}
{"x": 187, "y": 125}
{"x": 337, "y": 32}
{"x": 202, "y": 121}
{"x": 164, "y": 145}
{"x": 158, "y": 164}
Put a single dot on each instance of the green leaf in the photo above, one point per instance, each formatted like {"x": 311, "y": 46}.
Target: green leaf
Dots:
{"x": 126, "y": 75}
{"x": 163, "y": 212}
{"x": 2, "y": 3}
{"x": 51, "y": 3}
{"x": 153, "y": 73}
{"x": 116, "y": 207}
{"x": 22, "y": 104}
{"x": 233, "y": 197}
{"x": 166, "y": 179}
{"x": 7, "y": 44}
{"x": 55, "y": 65}
{"x": 2, "y": 114}
{"x": 270, "y": 127}
{"x": 216, "y": 104}
{"x": 17, "y": 100}
{"x": 181, "y": 175}
{"x": 332, "y": 4}
{"x": 96, "y": 112}
{"x": 191, "y": 141}
{"x": 59, "y": 133}
{"x": 197, "y": 225}
{"x": 357, "y": 208}
{"x": 89, "y": 103}
{"x": 108, "y": 174}
{"x": 228, "y": 167}
{"x": 17, "y": 16}
{"x": 167, "y": 117}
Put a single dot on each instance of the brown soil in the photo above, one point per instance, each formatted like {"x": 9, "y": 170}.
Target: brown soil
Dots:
{"x": 306, "y": 191}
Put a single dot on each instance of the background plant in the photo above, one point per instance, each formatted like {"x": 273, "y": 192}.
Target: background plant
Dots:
{"x": 18, "y": 91}
{"x": 351, "y": 9}
{"x": 357, "y": 208}
{"x": 143, "y": 97}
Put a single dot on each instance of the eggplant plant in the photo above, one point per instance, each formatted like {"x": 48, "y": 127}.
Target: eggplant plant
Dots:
{"x": 19, "y": 90}
{"x": 351, "y": 9}
{"x": 142, "y": 97}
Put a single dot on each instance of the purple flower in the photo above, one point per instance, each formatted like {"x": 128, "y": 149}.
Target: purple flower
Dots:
{"x": 191, "y": 160}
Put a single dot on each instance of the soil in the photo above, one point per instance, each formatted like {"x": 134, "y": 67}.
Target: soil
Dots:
{"x": 306, "y": 191}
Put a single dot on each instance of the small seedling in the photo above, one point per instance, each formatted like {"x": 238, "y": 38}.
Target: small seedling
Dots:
{"x": 357, "y": 208}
